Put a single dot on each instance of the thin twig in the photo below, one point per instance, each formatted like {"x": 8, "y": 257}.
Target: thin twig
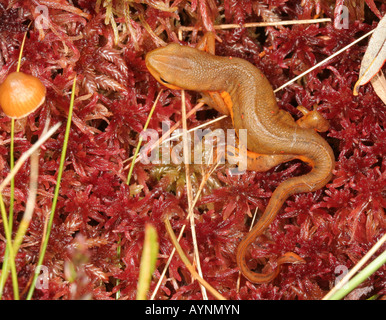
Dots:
{"x": 156, "y": 39}
{"x": 188, "y": 264}
{"x": 167, "y": 265}
{"x": 324, "y": 61}
{"x": 255, "y": 24}
{"x": 189, "y": 190}
{"x": 201, "y": 187}
{"x": 206, "y": 177}
{"x": 202, "y": 184}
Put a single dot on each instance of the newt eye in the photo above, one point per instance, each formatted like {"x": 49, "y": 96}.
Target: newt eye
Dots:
{"x": 163, "y": 80}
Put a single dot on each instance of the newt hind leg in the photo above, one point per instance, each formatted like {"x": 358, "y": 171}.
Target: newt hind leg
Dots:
{"x": 312, "y": 120}
{"x": 259, "y": 162}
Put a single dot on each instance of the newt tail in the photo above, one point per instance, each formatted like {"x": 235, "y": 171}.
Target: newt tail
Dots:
{"x": 280, "y": 195}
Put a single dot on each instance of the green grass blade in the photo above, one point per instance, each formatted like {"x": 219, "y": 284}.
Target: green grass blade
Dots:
{"x": 148, "y": 261}
{"x": 5, "y": 267}
{"x": 360, "y": 277}
{"x": 56, "y": 194}
{"x": 11, "y": 254}
{"x": 140, "y": 138}
{"x": 12, "y": 184}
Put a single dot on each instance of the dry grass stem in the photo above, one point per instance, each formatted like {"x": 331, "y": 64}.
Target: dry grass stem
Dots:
{"x": 30, "y": 206}
{"x": 255, "y": 24}
{"x": 167, "y": 265}
{"x": 186, "y": 261}
{"x": 202, "y": 184}
{"x": 157, "y": 40}
{"x": 205, "y": 178}
{"x": 324, "y": 61}
{"x": 27, "y": 154}
{"x": 356, "y": 268}
{"x": 189, "y": 190}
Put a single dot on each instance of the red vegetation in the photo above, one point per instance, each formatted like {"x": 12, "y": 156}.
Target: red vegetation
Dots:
{"x": 97, "y": 211}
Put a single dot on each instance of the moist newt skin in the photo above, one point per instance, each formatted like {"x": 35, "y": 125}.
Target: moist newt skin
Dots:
{"x": 272, "y": 134}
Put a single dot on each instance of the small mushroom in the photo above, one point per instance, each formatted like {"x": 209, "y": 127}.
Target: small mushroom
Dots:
{"x": 21, "y": 94}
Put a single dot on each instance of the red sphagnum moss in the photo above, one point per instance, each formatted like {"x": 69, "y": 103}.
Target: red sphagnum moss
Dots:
{"x": 97, "y": 211}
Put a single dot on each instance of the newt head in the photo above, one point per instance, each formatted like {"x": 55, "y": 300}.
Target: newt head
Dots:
{"x": 178, "y": 67}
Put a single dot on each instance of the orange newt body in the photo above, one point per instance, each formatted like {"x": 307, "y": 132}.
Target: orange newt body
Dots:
{"x": 273, "y": 136}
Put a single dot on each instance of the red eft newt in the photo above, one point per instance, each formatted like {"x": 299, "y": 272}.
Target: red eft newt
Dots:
{"x": 273, "y": 136}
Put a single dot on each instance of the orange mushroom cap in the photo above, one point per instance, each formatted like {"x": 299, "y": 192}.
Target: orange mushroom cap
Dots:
{"x": 21, "y": 94}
